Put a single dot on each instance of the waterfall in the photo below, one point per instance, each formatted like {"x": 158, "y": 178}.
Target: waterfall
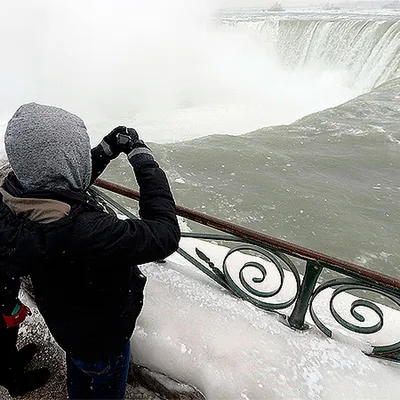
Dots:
{"x": 368, "y": 49}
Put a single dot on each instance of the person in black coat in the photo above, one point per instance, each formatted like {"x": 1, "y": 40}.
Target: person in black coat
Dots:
{"x": 12, "y": 361}
{"x": 82, "y": 261}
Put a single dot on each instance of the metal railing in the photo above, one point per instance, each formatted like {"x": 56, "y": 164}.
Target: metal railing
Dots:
{"x": 288, "y": 259}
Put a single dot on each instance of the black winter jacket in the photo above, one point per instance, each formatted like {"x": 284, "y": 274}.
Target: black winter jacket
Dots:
{"x": 83, "y": 266}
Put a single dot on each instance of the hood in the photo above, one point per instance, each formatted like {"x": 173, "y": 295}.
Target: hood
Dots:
{"x": 48, "y": 148}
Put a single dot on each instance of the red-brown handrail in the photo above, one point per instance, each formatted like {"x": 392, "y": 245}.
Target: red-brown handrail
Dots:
{"x": 251, "y": 234}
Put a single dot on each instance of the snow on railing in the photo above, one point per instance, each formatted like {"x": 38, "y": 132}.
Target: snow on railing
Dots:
{"x": 289, "y": 260}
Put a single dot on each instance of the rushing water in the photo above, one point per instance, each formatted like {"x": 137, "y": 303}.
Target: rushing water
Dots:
{"x": 319, "y": 92}
{"x": 328, "y": 181}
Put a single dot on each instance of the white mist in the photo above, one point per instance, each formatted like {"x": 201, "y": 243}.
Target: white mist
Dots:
{"x": 164, "y": 67}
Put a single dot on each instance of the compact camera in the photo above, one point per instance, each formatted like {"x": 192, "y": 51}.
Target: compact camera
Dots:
{"x": 124, "y": 140}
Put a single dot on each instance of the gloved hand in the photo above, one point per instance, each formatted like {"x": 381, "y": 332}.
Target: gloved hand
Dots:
{"x": 109, "y": 145}
{"x": 128, "y": 142}
{"x": 17, "y": 315}
{"x": 125, "y": 140}
{"x": 139, "y": 154}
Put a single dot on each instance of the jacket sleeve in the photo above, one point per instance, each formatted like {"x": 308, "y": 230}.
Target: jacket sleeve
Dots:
{"x": 100, "y": 162}
{"x": 155, "y": 236}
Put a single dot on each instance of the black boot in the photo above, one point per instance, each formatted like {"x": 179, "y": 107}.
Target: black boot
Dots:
{"x": 27, "y": 381}
{"x": 25, "y": 354}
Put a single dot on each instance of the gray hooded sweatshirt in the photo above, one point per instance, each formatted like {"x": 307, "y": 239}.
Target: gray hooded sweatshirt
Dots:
{"x": 48, "y": 149}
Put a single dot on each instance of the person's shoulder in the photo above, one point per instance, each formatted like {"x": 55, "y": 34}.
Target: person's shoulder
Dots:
{"x": 95, "y": 220}
{"x": 94, "y": 230}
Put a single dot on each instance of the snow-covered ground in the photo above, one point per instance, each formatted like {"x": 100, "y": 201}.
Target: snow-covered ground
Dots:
{"x": 192, "y": 330}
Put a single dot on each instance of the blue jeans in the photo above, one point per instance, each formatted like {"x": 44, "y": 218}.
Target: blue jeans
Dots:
{"x": 103, "y": 379}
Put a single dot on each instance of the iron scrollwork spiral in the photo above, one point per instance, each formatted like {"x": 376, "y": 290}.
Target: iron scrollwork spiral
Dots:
{"x": 346, "y": 285}
{"x": 247, "y": 291}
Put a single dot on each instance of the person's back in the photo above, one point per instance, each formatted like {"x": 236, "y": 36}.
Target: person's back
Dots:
{"x": 82, "y": 260}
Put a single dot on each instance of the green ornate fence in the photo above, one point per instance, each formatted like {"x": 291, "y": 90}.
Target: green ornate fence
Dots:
{"x": 288, "y": 259}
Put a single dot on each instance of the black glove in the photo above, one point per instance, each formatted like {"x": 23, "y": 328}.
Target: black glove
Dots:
{"x": 124, "y": 140}
{"x": 138, "y": 153}
{"x": 109, "y": 145}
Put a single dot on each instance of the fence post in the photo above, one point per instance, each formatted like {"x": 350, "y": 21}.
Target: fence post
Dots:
{"x": 296, "y": 319}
